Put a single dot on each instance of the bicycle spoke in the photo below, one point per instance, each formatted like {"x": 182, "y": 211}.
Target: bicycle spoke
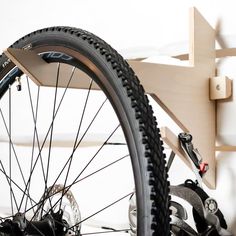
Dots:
{"x": 16, "y": 185}
{"x": 103, "y": 209}
{"x": 99, "y": 170}
{"x": 77, "y": 136}
{"x": 48, "y": 131}
{"x": 35, "y": 136}
{"x": 108, "y": 231}
{"x": 116, "y": 144}
{"x": 88, "y": 164}
{"x": 88, "y": 127}
{"x": 51, "y": 133}
{"x": 93, "y": 173}
{"x": 28, "y": 196}
{"x": 74, "y": 182}
{"x": 67, "y": 166}
{"x": 95, "y": 116}
{"x": 10, "y": 186}
{"x": 36, "y": 228}
{"x": 12, "y": 147}
{"x": 52, "y": 126}
{"x": 10, "y": 163}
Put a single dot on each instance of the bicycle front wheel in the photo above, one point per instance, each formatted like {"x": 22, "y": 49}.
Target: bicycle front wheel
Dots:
{"x": 80, "y": 153}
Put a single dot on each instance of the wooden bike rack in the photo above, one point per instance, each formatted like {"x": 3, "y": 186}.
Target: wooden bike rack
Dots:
{"x": 187, "y": 93}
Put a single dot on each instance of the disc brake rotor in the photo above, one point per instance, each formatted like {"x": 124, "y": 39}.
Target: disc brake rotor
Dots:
{"x": 133, "y": 215}
{"x": 57, "y": 198}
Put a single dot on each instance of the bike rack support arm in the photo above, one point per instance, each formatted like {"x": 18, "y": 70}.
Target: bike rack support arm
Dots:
{"x": 183, "y": 91}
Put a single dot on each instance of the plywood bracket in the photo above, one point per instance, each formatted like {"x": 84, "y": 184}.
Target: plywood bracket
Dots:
{"x": 182, "y": 91}
{"x": 31, "y": 64}
{"x": 42, "y": 73}
{"x": 220, "y": 88}
{"x": 173, "y": 142}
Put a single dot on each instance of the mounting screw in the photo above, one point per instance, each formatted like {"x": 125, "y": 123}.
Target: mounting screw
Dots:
{"x": 220, "y": 87}
{"x": 211, "y": 205}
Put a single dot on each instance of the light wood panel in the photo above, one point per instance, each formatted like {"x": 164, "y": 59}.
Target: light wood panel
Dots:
{"x": 220, "y": 87}
{"x": 224, "y": 52}
{"x": 184, "y": 91}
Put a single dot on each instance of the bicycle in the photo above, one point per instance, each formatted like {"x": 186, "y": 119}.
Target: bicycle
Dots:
{"x": 51, "y": 120}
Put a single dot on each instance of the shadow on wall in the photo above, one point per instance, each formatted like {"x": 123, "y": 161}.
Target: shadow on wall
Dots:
{"x": 226, "y": 189}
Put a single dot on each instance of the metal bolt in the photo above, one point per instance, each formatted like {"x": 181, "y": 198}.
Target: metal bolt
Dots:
{"x": 18, "y": 86}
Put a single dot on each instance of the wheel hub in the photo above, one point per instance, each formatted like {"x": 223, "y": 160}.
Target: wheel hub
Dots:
{"x": 67, "y": 203}
{"x": 52, "y": 224}
{"x": 58, "y": 214}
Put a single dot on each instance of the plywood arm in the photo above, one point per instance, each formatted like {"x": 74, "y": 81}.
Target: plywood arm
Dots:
{"x": 224, "y": 52}
{"x": 42, "y": 73}
{"x": 173, "y": 142}
{"x": 30, "y": 63}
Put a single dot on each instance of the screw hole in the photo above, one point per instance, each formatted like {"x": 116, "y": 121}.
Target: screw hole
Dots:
{"x": 218, "y": 87}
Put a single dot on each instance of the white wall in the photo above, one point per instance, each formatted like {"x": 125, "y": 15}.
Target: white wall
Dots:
{"x": 124, "y": 23}
{"x": 160, "y": 27}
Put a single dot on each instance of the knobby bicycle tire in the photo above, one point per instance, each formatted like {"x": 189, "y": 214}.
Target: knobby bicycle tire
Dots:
{"x": 90, "y": 54}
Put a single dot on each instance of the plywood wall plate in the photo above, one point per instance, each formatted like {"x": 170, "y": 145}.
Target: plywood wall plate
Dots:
{"x": 184, "y": 91}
